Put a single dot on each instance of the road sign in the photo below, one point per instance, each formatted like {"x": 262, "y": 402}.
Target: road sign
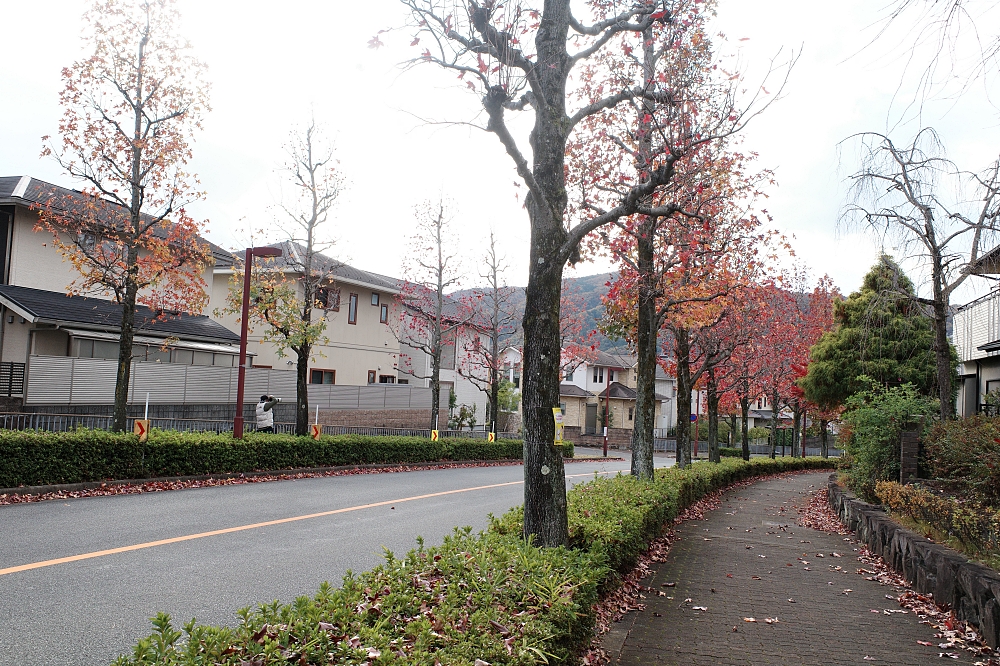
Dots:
{"x": 434, "y": 435}
{"x": 492, "y": 437}
{"x": 141, "y": 428}
{"x": 317, "y": 430}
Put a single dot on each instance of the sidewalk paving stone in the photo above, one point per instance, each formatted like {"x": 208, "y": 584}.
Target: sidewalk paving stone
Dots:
{"x": 825, "y": 615}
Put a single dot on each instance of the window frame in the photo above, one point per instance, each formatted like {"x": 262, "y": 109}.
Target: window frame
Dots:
{"x": 383, "y": 315}
{"x": 375, "y": 299}
{"x": 372, "y": 377}
{"x": 323, "y": 296}
{"x": 352, "y": 310}
{"x": 323, "y": 372}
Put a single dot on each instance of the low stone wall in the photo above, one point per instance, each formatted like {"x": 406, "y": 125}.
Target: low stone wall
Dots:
{"x": 378, "y": 418}
{"x": 971, "y": 589}
{"x": 618, "y": 438}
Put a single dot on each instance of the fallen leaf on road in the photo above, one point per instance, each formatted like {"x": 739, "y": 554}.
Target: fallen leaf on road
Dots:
{"x": 699, "y": 608}
{"x": 771, "y": 620}
{"x": 668, "y": 584}
{"x": 755, "y": 578}
{"x": 791, "y": 601}
{"x": 928, "y": 643}
{"x": 950, "y": 655}
{"x": 749, "y": 619}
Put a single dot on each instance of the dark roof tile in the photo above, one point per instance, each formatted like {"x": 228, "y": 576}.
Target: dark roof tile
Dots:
{"x": 55, "y": 307}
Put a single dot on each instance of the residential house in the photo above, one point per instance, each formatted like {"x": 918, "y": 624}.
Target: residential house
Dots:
{"x": 62, "y": 350}
{"x": 360, "y": 345}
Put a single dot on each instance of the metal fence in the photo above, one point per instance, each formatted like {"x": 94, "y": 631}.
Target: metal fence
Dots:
{"x": 757, "y": 447}
{"x": 67, "y": 422}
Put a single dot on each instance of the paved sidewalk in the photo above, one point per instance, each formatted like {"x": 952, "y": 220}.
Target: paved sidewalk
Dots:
{"x": 754, "y": 534}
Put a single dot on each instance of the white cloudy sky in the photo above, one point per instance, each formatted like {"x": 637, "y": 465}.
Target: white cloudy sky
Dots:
{"x": 274, "y": 64}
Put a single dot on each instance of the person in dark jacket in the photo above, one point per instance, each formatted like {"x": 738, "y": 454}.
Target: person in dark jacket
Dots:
{"x": 265, "y": 415}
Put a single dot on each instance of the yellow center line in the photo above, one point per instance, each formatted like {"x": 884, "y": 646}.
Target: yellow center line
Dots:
{"x": 240, "y": 528}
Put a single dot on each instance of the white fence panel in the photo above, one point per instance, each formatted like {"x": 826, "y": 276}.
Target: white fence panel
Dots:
{"x": 162, "y": 381}
{"x": 93, "y": 380}
{"x": 49, "y": 381}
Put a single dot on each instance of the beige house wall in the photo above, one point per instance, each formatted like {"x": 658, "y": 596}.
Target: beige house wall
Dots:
{"x": 576, "y": 411}
{"x": 16, "y": 337}
{"x": 352, "y": 350}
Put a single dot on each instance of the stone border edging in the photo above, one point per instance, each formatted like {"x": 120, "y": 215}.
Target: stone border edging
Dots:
{"x": 970, "y": 589}
{"x": 87, "y": 485}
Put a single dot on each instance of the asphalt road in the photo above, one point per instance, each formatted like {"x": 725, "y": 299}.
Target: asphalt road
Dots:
{"x": 87, "y": 611}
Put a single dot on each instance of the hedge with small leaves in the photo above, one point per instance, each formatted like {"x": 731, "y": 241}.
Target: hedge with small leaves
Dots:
{"x": 44, "y": 458}
{"x": 490, "y": 597}
{"x": 975, "y": 525}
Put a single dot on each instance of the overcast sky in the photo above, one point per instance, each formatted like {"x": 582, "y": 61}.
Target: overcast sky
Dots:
{"x": 273, "y": 64}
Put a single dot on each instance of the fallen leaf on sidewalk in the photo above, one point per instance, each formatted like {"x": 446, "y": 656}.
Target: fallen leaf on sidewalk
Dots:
{"x": 771, "y": 620}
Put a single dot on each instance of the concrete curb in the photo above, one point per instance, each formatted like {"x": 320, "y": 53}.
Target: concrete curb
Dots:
{"x": 970, "y": 588}
{"x": 87, "y": 485}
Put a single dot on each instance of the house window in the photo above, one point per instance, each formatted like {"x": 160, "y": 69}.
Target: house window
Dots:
{"x": 562, "y": 408}
{"x": 569, "y": 376}
{"x": 611, "y": 375}
{"x": 352, "y": 311}
{"x": 403, "y": 381}
{"x": 371, "y": 376}
{"x": 328, "y": 299}
{"x": 383, "y": 316}
{"x": 598, "y": 375}
{"x": 323, "y": 377}
{"x": 631, "y": 413}
{"x": 374, "y": 298}
{"x": 386, "y": 379}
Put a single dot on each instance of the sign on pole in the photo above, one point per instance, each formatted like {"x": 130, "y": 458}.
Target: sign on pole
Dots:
{"x": 434, "y": 435}
{"x": 557, "y": 415}
{"x": 141, "y": 428}
{"x": 317, "y": 430}
{"x": 491, "y": 437}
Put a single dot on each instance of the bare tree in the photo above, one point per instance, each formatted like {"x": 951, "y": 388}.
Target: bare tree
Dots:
{"x": 430, "y": 324}
{"x": 520, "y": 58}
{"x": 492, "y": 310}
{"x": 293, "y": 296}
{"x": 901, "y": 192}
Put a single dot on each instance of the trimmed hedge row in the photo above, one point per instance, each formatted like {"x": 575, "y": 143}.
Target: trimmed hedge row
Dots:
{"x": 43, "y": 458}
{"x": 489, "y": 597}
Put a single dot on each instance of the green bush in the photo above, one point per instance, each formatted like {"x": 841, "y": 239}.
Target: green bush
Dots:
{"x": 42, "y": 458}
{"x": 489, "y": 596}
{"x": 874, "y": 419}
{"x": 966, "y": 453}
{"x": 731, "y": 451}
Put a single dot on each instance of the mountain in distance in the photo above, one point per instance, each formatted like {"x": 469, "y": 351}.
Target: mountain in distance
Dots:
{"x": 587, "y": 292}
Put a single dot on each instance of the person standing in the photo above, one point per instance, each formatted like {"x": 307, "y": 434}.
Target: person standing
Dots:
{"x": 265, "y": 413}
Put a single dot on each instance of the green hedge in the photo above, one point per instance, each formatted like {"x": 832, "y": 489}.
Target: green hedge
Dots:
{"x": 42, "y": 458}
{"x": 489, "y": 597}
{"x": 731, "y": 451}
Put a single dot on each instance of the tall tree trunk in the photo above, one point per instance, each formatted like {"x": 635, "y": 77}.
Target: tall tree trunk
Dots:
{"x": 774, "y": 426}
{"x": 796, "y": 429}
{"x": 942, "y": 357}
{"x": 545, "y": 519}
{"x": 492, "y": 423}
{"x": 646, "y": 342}
{"x": 745, "y": 425}
{"x": 683, "y": 353}
{"x": 823, "y": 442}
{"x": 436, "y": 388}
{"x": 713, "y": 417}
{"x": 302, "y": 390}
{"x": 124, "y": 376}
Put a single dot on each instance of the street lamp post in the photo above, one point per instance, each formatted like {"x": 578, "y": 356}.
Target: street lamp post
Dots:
{"x": 244, "y": 329}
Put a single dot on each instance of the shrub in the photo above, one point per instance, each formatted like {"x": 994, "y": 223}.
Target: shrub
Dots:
{"x": 731, "y": 451}
{"x": 966, "y": 453}
{"x": 875, "y": 418}
{"x": 41, "y": 458}
{"x": 973, "y": 524}
{"x": 489, "y": 596}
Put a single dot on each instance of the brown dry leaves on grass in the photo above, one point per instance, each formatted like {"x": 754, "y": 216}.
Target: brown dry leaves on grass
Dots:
{"x": 161, "y": 486}
{"x": 952, "y": 635}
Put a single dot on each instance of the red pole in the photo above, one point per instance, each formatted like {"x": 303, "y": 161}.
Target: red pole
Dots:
{"x": 697, "y": 416}
{"x": 241, "y": 380}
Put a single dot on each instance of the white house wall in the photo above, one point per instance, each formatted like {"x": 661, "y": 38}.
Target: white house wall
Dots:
{"x": 352, "y": 350}
{"x": 977, "y": 324}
